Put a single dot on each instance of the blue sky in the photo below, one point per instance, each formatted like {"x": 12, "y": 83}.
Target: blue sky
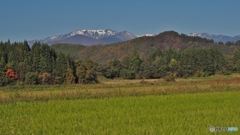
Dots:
{"x": 36, "y": 19}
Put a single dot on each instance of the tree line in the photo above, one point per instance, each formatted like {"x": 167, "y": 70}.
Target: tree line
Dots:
{"x": 229, "y": 43}
{"x": 199, "y": 62}
{"x": 20, "y": 64}
{"x": 40, "y": 64}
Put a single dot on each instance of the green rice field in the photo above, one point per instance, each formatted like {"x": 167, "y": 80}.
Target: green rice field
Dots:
{"x": 112, "y": 108}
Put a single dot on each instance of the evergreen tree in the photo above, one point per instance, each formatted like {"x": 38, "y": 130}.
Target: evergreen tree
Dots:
{"x": 131, "y": 66}
{"x": 31, "y": 78}
{"x": 2, "y": 73}
{"x": 45, "y": 59}
{"x": 112, "y": 69}
{"x": 236, "y": 60}
{"x": 61, "y": 65}
{"x": 146, "y": 70}
{"x": 35, "y": 54}
{"x": 21, "y": 71}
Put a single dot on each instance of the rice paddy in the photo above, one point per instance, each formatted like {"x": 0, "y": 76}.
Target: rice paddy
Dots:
{"x": 118, "y": 107}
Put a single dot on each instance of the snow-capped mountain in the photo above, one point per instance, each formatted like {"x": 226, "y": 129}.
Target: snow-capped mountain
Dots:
{"x": 88, "y": 37}
{"x": 146, "y": 35}
{"x": 108, "y": 36}
{"x": 216, "y": 38}
{"x": 96, "y": 34}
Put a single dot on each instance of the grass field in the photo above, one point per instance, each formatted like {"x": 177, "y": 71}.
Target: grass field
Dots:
{"x": 189, "y": 106}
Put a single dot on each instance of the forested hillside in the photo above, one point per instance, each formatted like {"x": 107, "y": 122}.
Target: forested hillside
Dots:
{"x": 144, "y": 46}
{"x": 165, "y": 55}
{"x": 71, "y": 49}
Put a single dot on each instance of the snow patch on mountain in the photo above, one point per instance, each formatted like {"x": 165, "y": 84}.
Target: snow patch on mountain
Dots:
{"x": 108, "y": 36}
{"x": 146, "y": 35}
{"x": 96, "y": 34}
{"x": 93, "y": 34}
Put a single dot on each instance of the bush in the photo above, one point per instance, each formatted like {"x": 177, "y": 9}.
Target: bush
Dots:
{"x": 143, "y": 81}
{"x": 58, "y": 80}
{"x": 44, "y": 78}
{"x": 169, "y": 78}
{"x": 127, "y": 74}
{"x": 224, "y": 71}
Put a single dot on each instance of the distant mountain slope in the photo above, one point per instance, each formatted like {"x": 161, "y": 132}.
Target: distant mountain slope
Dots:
{"x": 88, "y": 37}
{"x": 108, "y": 36}
{"x": 143, "y": 45}
{"x": 216, "y": 38}
{"x": 71, "y": 49}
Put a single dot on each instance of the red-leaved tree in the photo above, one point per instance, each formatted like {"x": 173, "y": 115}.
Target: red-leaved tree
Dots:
{"x": 11, "y": 75}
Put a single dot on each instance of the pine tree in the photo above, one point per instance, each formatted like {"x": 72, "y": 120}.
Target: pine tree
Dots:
{"x": 2, "y": 73}
{"x": 31, "y": 78}
{"x": 35, "y": 54}
{"x": 21, "y": 71}
{"x": 45, "y": 59}
{"x": 135, "y": 63}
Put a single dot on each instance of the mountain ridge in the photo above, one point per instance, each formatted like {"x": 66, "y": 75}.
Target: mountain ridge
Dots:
{"x": 143, "y": 45}
{"x": 88, "y": 37}
{"x": 216, "y": 38}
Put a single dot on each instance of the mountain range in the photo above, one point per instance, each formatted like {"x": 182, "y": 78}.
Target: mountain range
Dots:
{"x": 108, "y": 36}
{"x": 216, "y": 38}
{"x": 88, "y": 37}
{"x": 144, "y": 45}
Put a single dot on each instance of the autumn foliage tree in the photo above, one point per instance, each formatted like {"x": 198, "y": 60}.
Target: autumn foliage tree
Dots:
{"x": 11, "y": 75}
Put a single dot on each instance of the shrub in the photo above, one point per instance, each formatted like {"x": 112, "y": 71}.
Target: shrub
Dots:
{"x": 224, "y": 71}
{"x": 44, "y": 78}
{"x": 169, "y": 78}
{"x": 58, "y": 80}
{"x": 143, "y": 81}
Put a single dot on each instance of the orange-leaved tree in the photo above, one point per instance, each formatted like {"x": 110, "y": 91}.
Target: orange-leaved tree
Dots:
{"x": 11, "y": 75}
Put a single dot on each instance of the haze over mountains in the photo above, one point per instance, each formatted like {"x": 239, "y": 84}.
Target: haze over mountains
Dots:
{"x": 108, "y": 36}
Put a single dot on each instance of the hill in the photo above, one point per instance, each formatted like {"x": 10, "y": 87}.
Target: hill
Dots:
{"x": 143, "y": 45}
{"x": 71, "y": 49}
